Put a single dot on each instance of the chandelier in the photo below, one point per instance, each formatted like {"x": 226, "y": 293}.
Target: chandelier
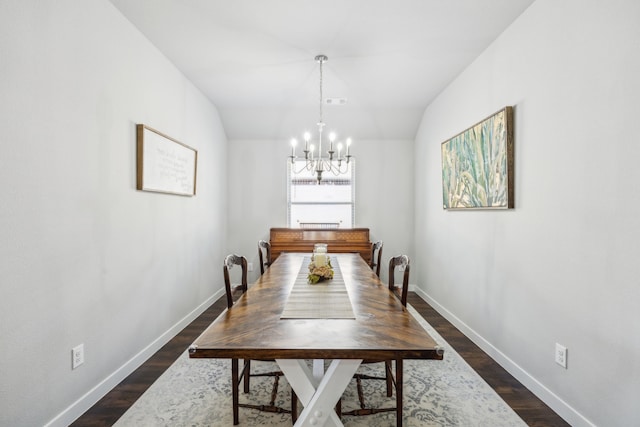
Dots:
{"x": 334, "y": 162}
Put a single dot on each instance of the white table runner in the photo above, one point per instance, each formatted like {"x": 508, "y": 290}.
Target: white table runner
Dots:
{"x": 327, "y": 299}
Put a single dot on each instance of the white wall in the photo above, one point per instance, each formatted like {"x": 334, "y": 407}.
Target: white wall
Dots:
{"x": 258, "y": 194}
{"x": 84, "y": 257}
{"x": 563, "y": 266}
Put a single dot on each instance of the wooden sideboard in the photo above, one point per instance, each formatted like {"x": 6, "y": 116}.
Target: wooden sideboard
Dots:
{"x": 338, "y": 240}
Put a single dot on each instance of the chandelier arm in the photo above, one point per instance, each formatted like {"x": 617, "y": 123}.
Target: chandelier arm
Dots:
{"x": 336, "y": 168}
{"x": 308, "y": 165}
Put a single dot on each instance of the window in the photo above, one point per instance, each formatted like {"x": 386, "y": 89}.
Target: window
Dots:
{"x": 329, "y": 204}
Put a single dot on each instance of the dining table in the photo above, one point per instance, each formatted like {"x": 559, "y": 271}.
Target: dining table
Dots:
{"x": 343, "y": 321}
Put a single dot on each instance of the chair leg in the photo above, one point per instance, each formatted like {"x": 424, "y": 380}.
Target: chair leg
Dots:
{"x": 360, "y": 393}
{"x": 389, "y": 378}
{"x": 234, "y": 389}
{"x": 390, "y": 382}
{"x": 274, "y": 391}
{"x": 247, "y": 374}
{"x": 237, "y": 378}
{"x": 294, "y": 407}
{"x": 399, "y": 363}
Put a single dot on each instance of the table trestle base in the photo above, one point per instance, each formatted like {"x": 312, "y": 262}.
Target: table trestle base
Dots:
{"x": 319, "y": 398}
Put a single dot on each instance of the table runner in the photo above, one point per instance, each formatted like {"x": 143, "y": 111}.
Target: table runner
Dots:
{"x": 327, "y": 299}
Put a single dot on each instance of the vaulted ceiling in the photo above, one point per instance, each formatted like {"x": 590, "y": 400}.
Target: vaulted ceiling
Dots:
{"x": 254, "y": 59}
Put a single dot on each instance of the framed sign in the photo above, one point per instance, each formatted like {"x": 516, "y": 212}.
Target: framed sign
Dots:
{"x": 477, "y": 165}
{"x": 164, "y": 165}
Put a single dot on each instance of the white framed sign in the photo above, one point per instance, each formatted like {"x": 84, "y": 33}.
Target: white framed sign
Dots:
{"x": 164, "y": 165}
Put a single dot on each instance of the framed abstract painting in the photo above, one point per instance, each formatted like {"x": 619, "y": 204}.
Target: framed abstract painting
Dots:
{"x": 477, "y": 165}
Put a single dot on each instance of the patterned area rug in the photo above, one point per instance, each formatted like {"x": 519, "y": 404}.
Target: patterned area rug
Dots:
{"x": 197, "y": 393}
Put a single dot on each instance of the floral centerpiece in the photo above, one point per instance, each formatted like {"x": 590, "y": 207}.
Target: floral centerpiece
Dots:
{"x": 320, "y": 269}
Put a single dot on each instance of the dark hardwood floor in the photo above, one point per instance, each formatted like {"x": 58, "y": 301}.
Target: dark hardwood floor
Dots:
{"x": 531, "y": 409}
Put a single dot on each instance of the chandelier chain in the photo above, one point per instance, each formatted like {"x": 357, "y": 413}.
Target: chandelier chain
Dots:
{"x": 321, "y": 62}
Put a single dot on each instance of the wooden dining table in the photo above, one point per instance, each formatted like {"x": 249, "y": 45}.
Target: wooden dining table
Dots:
{"x": 347, "y": 319}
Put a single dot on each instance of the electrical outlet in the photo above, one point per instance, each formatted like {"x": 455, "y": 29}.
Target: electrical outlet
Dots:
{"x": 561, "y": 355}
{"x": 250, "y": 266}
{"x": 77, "y": 356}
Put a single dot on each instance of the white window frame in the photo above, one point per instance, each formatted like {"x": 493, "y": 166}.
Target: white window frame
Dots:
{"x": 326, "y": 177}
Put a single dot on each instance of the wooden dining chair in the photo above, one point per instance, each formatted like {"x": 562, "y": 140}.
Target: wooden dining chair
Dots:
{"x": 402, "y": 262}
{"x": 393, "y": 382}
{"x": 233, "y": 293}
{"x": 264, "y": 253}
{"x": 376, "y": 256}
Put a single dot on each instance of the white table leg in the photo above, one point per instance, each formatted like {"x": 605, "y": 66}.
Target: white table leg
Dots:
{"x": 319, "y": 400}
{"x": 318, "y": 369}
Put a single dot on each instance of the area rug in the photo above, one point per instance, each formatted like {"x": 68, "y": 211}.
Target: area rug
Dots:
{"x": 197, "y": 393}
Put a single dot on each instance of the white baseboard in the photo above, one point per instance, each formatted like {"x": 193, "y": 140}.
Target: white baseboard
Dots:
{"x": 81, "y": 405}
{"x": 562, "y": 408}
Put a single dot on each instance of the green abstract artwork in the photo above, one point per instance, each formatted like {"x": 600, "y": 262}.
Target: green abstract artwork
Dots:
{"x": 477, "y": 165}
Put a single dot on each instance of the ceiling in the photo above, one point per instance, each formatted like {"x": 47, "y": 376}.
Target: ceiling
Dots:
{"x": 254, "y": 59}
